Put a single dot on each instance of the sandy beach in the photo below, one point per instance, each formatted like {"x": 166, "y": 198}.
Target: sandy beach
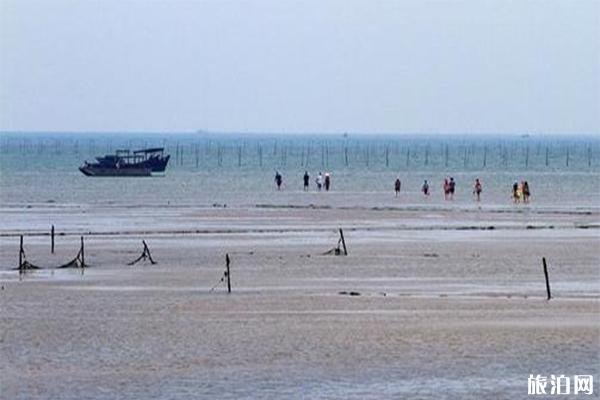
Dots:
{"x": 449, "y": 302}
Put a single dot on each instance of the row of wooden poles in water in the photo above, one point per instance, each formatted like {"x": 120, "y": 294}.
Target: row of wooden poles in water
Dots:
{"x": 387, "y": 155}
{"x": 79, "y": 260}
{"x": 382, "y": 153}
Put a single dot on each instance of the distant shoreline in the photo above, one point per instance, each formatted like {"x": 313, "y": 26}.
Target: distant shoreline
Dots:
{"x": 269, "y": 135}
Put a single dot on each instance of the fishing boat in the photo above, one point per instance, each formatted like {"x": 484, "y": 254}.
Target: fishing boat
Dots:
{"x": 143, "y": 162}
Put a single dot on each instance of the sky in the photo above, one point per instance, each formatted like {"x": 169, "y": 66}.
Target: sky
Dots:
{"x": 470, "y": 66}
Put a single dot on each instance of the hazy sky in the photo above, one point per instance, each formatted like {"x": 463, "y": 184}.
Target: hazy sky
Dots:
{"x": 301, "y": 66}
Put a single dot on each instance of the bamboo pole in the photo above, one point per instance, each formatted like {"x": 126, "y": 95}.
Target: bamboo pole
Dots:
{"x": 547, "y": 280}
{"x": 485, "y": 156}
{"x": 346, "y": 155}
{"x": 82, "y": 254}
{"x": 387, "y": 155}
{"x": 20, "y": 252}
{"x": 446, "y": 156}
{"x": 227, "y": 272}
{"x": 343, "y": 242}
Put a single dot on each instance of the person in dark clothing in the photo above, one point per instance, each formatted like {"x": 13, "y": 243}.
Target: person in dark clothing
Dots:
{"x": 327, "y": 181}
{"x": 451, "y": 188}
{"x": 306, "y": 180}
{"x": 515, "y": 193}
{"x": 526, "y": 192}
{"x": 477, "y": 188}
{"x": 278, "y": 180}
{"x": 397, "y": 186}
{"x": 425, "y": 188}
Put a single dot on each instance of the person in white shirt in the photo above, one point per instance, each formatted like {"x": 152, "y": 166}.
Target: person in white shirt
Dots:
{"x": 319, "y": 181}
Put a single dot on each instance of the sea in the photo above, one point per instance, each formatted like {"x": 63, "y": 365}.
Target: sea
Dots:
{"x": 238, "y": 169}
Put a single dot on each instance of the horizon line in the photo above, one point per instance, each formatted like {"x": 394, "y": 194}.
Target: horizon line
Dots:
{"x": 295, "y": 133}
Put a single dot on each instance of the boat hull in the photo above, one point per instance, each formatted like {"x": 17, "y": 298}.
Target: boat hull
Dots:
{"x": 156, "y": 164}
{"x": 125, "y": 163}
{"x": 91, "y": 170}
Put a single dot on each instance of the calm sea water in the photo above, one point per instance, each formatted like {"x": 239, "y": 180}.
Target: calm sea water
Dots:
{"x": 239, "y": 170}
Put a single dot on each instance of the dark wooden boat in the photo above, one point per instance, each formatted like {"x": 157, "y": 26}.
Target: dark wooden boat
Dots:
{"x": 143, "y": 162}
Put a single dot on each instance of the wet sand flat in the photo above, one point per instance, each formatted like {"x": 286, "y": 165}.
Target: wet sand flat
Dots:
{"x": 443, "y": 309}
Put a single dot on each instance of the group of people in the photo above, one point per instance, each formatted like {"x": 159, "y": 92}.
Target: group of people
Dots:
{"x": 322, "y": 181}
{"x": 520, "y": 191}
{"x": 449, "y": 188}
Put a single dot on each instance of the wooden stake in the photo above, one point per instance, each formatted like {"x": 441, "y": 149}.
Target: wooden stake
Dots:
{"x": 82, "y": 254}
{"x": 387, "y": 156}
{"x": 343, "y": 242}
{"x": 546, "y": 275}
{"x": 21, "y": 253}
{"x": 147, "y": 252}
{"x": 227, "y": 261}
{"x": 52, "y": 240}
{"x": 446, "y": 156}
{"x": 484, "y": 156}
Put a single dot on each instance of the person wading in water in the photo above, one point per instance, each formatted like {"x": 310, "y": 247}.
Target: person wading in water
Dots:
{"x": 278, "y": 180}
{"x": 306, "y": 180}
{"x": 477, "y": 188}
